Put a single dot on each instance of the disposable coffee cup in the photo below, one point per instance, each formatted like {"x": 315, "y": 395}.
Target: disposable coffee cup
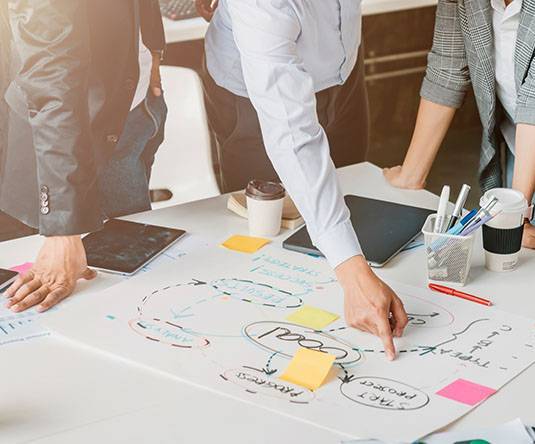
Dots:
{"x": 502, "y": 235}
{"x": 264, "y": 207}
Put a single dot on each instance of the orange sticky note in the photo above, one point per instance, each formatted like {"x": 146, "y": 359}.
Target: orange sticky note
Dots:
{"x": 308, "y": 368}
{"x": 245, "y": 244}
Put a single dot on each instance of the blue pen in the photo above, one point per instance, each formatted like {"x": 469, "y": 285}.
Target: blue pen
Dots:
{"x": 469, "y": 216}
{"x": 460, "y": 225}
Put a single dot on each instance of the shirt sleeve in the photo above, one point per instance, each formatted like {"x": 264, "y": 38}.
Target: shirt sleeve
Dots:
{"x": 282, "y": 92}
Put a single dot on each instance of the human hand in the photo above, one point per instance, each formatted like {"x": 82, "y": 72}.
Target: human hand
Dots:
{"x": 60, "y": 263}
{"x": 371, "y": 305}
{"x": 399, "y": 178}
{"x": 206, "y": 8}
{"x": 528, "y": 238}
{"x": 155, "y": 77}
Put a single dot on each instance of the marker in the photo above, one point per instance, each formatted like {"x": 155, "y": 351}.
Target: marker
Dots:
{"x": 460, "y": 294}
{"x": 442, "y": 208}
{"x": 459, "y": 205}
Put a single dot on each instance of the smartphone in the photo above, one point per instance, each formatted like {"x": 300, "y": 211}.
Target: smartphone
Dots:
{"x": 6, "y": 278}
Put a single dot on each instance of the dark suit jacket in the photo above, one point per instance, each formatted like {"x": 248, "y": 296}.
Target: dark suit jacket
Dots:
{"x": 74, "y": 71}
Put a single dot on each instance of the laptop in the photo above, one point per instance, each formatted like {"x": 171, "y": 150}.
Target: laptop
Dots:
{"x": 383, "y": 229}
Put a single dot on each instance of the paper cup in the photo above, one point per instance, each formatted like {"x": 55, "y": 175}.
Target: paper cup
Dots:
{"x": 264, "y": 207}
{"x": 502, "y": 235}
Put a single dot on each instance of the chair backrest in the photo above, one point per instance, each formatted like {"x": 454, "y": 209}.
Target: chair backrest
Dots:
{"x": 183, "y": 163}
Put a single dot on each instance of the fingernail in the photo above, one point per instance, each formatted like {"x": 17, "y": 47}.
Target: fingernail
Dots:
{"x": 40, "y": 308}
{"x": 390, "y": 356}
{"x": 9, "y": 304}
{"x": 15, "y": 307}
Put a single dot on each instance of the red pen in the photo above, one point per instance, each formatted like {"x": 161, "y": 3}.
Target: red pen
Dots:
{"x": 460, "y": 294}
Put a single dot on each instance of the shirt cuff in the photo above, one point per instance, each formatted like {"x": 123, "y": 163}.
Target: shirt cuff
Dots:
{"x": 339, "y": 244}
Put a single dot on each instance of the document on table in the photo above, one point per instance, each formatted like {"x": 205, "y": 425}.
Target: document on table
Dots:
{"x": 25, "y": 326}
{"x": 18, "y": 327}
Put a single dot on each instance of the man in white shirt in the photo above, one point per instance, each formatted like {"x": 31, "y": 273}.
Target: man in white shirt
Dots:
{"x": 281, "y": 57}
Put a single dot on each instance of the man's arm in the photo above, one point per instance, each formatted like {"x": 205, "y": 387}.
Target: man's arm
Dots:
{"x": 282, "y": 93}
{"x": 51, "y": 38}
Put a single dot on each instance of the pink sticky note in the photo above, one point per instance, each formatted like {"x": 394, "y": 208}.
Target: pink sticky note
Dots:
{"x": 466, "y": 392}
{"x": 22, "y": 268}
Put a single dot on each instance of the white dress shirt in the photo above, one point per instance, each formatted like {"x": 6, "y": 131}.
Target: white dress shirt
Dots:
{"x": 279, "y": 53}
{"x": 505, "y": 22}
{"x": 145, "y": 67}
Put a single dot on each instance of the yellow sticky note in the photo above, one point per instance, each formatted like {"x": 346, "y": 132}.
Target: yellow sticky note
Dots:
{"x": 308, "y": 368}
{"x": 312, "y": 317}
{"x": 245, "y": 244}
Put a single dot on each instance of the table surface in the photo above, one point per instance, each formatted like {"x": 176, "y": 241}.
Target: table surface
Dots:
{"x": 195, "y": 28}
{"x": 53, "y": 391}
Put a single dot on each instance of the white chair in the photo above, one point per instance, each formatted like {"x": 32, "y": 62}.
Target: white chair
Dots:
{"x": 183, "y": 163}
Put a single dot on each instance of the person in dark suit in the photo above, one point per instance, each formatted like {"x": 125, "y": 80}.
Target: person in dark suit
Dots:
{"x": 85, "y": 116}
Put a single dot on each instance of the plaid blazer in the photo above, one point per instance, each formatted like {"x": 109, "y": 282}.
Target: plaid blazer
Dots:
{"x": 463, "y": 55}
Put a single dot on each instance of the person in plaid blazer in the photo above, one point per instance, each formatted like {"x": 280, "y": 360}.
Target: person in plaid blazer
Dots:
{"x": 464, "y": 55}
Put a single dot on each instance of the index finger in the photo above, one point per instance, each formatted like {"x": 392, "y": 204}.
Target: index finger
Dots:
{"x": 385, "y": 334}
{"x": 19, "y": 282}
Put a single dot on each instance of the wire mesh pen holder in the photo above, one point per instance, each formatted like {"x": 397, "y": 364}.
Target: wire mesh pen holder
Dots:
{"x": 448, "y": 257}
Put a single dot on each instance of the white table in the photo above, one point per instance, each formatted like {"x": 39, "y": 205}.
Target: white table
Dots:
{"x": 52, "y": 391}
{"x": 195, "y": 28}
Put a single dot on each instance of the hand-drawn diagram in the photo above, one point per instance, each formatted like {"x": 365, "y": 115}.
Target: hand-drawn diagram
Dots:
{"x": 218, "y": 320}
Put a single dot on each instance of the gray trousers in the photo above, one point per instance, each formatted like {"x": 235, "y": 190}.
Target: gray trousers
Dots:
{"x": 342, "y": 112}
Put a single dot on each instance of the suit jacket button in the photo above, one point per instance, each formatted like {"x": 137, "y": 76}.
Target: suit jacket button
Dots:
{"x": 44, "y": 189}
{"x": 112, "y": 138}
{"x": 43, "y": 197}
{"x": 45, "y": 210}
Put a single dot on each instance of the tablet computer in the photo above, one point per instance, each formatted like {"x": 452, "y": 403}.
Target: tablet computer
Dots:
{"x": 7, "y": 277}
{"x": 383, "y": 229}
{"x": 125, "y": 247}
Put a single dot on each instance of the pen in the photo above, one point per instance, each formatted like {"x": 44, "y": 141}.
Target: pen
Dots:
{"x": 460, "y": 225}
{"x": 459, "y": 205}
{"x": 460, "y": 294}
{"x": 442, "y": 208}
{"x": 473, "y": 227}
{"x": 486, "y": 209}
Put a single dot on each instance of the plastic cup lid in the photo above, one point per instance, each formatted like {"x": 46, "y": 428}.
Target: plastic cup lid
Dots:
{"x": 264, "y": 190}
{"x": 509, "y": 200}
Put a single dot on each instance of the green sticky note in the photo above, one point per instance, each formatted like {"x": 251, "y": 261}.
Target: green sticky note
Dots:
{"x": 312, "y": 317}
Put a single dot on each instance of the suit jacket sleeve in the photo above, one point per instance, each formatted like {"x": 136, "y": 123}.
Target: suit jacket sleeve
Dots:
{"x": 152, "y": 25}
{"x": 447, "y": 77}
{"x": 525, "y": 109}
{"x": 52, "y": 40}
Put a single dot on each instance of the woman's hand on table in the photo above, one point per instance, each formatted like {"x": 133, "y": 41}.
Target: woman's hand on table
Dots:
{"x": 400, "y": 178}
{"x": 60, "y": 263}
{"x": 528, "y": 239}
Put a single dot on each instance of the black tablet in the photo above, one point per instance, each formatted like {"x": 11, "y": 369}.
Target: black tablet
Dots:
{"x": 6, "y": 278}
{"x": 124, "y": 247}
{"x": 383, "y": 229}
